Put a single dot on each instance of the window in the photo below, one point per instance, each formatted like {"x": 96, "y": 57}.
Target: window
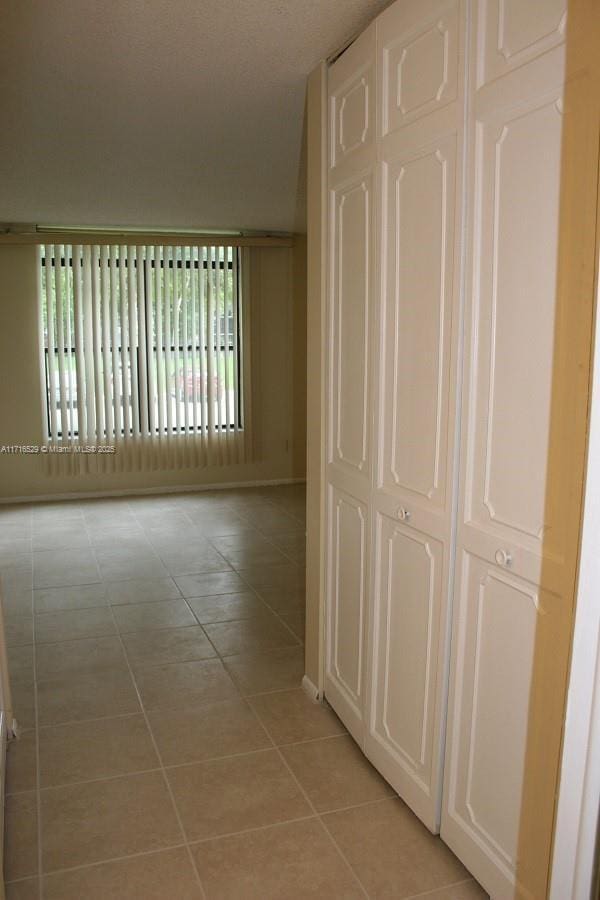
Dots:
{"x": 141, "y": 341}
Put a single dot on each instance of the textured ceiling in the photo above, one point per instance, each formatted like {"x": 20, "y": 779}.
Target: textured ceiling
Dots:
{"x": 173, "y": 113}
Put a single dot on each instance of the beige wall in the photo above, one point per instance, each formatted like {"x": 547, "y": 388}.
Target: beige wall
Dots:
{"x": 315, "y": 312}
{"x": 278, "y": 388}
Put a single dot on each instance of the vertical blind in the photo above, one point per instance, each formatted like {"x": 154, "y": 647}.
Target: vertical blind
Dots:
{"x": 144, "y": 351}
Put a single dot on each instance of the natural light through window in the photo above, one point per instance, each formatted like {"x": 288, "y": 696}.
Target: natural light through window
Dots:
{"x": 141, "y": 341}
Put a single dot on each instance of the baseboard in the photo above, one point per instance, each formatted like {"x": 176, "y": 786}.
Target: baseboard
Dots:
{"x": 309, "y": 688}
{"x": 166, "y": 489}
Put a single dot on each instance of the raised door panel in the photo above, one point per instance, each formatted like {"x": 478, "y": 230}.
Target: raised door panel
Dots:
{"x": 352, "y": 107}
{"x": 420, "y": 63}
{"x": 351, "y": 215}
{"x": 404, "y": 675}
{"x": 419, "y": 250}
{"x": 514, "y": 292}
{"x": 510, "y": 661}
{"x": 346, "y": 606}
{"x": 352, "y": 115}
{"x": 515, "y": 32}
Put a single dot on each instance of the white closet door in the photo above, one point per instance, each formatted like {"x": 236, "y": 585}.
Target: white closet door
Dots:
{"x": 510, "y": 632}
{"x": 421, "y": 68}
{"x": 349, "y": 352}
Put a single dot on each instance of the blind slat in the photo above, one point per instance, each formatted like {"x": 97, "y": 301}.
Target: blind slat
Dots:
{"x": 124, "y": 321}
{"x": 227, "y": 355}
{"x": 194, "y": 338}
{"x": 176, "y": 363}
{"x": 70, "y": 359}
{"x": 82, "y": 411}
{"x": 134, "y": 362}
{"x": 161, "y": 384}
{"x": 105, "y": 299}
{"x": 98, "y": 358}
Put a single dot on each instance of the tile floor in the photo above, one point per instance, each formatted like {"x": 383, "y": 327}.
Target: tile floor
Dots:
{"x": 167, "y": 750}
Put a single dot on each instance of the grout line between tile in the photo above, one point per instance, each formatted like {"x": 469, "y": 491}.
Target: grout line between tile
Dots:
{"x": 68, "y": 784}
{"x": 315, "y": 811}
{"x": 163, "y": 771}
{"x": 442, "y": 887}
{"x": 102, "y": 862}
{"x": 69, "y": 722}
{"x": 253, "y": 828}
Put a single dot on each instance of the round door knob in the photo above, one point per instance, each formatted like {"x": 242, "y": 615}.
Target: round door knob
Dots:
{"x": 503, "y": 557}
{"x": 403, "y": 514}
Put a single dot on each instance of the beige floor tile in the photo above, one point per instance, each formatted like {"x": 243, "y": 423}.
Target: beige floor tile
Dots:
{"x": 23, "y": 890}
{"x": 217, "y": 524}
{"x": 100, "y": 820}
{"x": 244, "y": 540}
{"x": 276, "y": 670}
{"x": 21, "y": 836}
{"x": 288, "y": 577}
{"x": 55, "y": 511}
{"x": 61, "y": 537}
{"x": 21, "y": 763}
{"x": 82, "y": 751}
{"x": 290, "y": 543}
{"x": 142, "y": 590}
{"x": 206, "y": 731}
{"x": 293, "y": 861}
{"x": 163, "y": 519}
{"x": 81, "y": 596}
{"x": 466, "y": 890}
{"x": 263, "y": 632}
{"x": 187, "y": 561}
{"x": 110, "y": 555}
{"x": 392, "y": 852}
{"x": 167, "y": 645}
{"x": 23, "y": 697}
{"x": 17, "y": 603}
{"x": 107, "y": 538}
{"x": 226, "y": 607}
{"x": 184, "y": 684}
{"x": 109, "y": 514}
{"x": 334, "y": 773}
{"x": 271, "y": 520}
{"x": 206, "y": 585}
{"x": 19, "y": 631}
{"x": 291, "y": 716}
{"x": 77, "y": 623}
{"x": 235, "y": 793}
{"x": 143, "y": 616}
{"x": 284, "y": 601}
{"x": 17, "y": 516}
{"x": 65, "y": 699}
{"x": 17, "y": 584}
{"x": 166, "y": 875}
{"x": 255, "y": 556}
{"x": 13, "y": 546}
{"x": 124, "y": 565}
{"x": 78, "y": 657}
{"x": 296, "y": 622}
{"x": 181, "y": 539}
{"x": 58, "y": 568}
{"x": 115, "y": 518}
{"x": 20, "y": 663}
